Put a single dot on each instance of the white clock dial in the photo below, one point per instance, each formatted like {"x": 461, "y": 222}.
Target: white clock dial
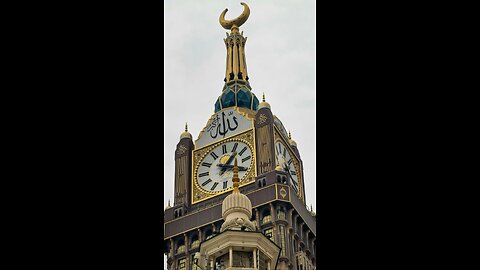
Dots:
{"x": 286, "y": 161}
{"x": 215, "y": 171}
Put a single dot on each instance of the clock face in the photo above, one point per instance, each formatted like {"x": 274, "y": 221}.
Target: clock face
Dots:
{"x": 288, "y": 164}
{"x": 215, "y": 171}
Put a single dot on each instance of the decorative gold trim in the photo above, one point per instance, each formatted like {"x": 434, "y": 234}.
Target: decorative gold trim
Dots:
{"x": 284, "y": 193}
{"x": 254, "y": 148}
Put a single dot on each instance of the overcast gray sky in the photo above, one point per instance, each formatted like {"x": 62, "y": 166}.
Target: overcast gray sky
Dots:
{"x": 280, "y": 52}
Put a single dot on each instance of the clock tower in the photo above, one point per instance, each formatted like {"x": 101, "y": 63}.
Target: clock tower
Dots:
{"x": 245, "y": 132}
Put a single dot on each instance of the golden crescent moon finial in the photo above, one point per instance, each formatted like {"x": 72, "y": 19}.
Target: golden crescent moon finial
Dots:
{"x": 229, "y": 24}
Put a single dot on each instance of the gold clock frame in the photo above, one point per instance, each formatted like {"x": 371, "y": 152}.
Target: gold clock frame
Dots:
{"x": 296, "y": 163}
{"x": 198, "y": 193}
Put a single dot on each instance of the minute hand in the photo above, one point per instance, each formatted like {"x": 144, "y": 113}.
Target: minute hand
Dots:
{"x": 290, "y": 175}
{"x": 223, "y": 169}
{"x": 230, "y": 158}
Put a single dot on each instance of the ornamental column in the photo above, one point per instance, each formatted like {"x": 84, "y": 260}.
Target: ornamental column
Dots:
{"x": 187, "y": 252}
{"x": 257, "y": 217}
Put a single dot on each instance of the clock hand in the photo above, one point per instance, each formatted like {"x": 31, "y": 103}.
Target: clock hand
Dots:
{"x": 227, "y": 163}
{"x": 290, "y": 175}
{"x": 231, "y": 158}
{"x": 240, "y": 168}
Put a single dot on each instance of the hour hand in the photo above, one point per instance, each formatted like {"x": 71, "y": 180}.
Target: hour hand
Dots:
{"x": 240, "y": 168}
{"x": 231, "y": 158}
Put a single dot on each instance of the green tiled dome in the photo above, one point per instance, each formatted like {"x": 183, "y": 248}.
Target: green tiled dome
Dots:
{"x": 237, "y": 96}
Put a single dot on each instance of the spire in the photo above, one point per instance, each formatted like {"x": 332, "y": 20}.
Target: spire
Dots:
{"x": 290, "y": 141}
{"x": 235, "y": 178}
{"x": 237, "y": 91}
{"x": 237, "y": 208}
{"x": 186, "y": 134}
{"x": 235, "y": 42}
{"x": 168, "y": 205}
{"x": 264, "y": 104}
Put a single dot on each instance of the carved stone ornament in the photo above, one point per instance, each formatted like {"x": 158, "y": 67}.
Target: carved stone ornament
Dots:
{"x": 262, "y": 118}
{"x": 237, "y": 224}
{"x": 182, "y": 149}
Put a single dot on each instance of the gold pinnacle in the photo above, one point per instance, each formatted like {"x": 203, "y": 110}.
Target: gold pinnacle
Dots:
{"x": 186, "y": 127}
{"x": 263, "y": 96}
{"x": 235, "y": 178}
{"x": 289, "y": 135}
